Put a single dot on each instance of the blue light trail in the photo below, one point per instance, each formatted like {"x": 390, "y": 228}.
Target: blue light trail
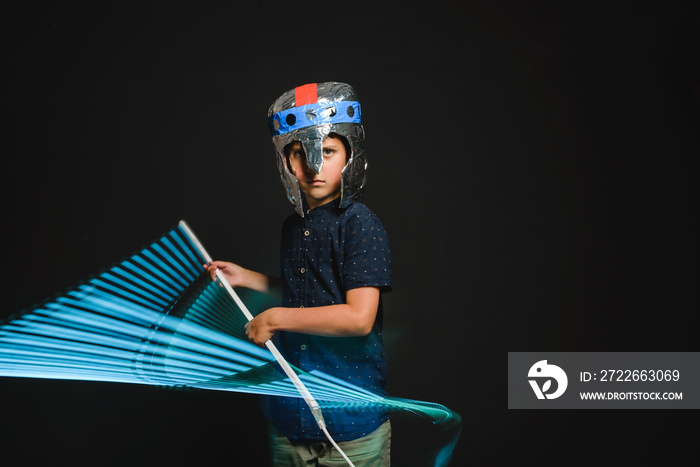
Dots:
{"x": 156, "y": 319}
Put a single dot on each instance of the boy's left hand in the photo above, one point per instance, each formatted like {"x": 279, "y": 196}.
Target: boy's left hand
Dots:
{"x": 260, "y": 329}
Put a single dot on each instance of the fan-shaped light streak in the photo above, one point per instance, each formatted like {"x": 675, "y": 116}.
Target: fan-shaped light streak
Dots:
{"x": 155, "y": 319}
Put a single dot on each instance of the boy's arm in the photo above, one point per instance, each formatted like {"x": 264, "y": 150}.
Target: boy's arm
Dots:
{"x": 354, "y": 318}
{"x": 238, "y": 276}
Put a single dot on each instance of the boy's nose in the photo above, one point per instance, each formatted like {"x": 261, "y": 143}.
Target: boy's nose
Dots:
{"x": 314, "y": 154}
{"x": 308, "y": 170}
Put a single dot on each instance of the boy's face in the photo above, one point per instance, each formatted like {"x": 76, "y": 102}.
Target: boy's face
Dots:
{"x": 323, "y": 187}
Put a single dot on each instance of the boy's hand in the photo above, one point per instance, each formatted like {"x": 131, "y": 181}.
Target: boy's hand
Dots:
{"x": 235, "y": 275}
{"x": 260, "y": 329}
{"x": 238, "y": 276}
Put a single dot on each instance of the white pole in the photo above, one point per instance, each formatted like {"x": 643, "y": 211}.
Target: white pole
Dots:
{"x": 313, "y": 405}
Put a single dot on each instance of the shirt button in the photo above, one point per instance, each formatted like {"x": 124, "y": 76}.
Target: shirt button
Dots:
{"x": 302, "y": 270}
{"x": 306, "y": 233}
{"x": 303, "y": 346}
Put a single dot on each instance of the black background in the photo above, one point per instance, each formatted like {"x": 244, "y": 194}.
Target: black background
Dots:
{"x": 535, "y": 167}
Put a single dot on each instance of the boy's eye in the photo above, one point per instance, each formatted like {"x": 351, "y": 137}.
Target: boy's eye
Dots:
{"x": 328, "y": 152}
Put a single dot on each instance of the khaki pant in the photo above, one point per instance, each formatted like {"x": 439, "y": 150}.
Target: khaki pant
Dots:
{"x": 372, "y": 450}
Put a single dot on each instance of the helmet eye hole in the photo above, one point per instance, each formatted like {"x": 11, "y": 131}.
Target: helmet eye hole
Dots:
{"x": 351, "y": 111}
{"x": 311, "y": 114}
{"x": 291, "y": 119}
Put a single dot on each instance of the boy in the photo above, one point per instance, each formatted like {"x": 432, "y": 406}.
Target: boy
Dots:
{"x": 335, "y": 262}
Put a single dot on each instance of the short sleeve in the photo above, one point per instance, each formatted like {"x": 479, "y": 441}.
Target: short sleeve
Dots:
{"x": 367, "y": 255}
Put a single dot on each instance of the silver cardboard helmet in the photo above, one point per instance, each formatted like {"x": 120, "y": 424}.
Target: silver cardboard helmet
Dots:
{"x": 309, "y": 114}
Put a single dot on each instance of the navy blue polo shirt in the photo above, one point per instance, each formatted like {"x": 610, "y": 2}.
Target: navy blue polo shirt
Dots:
{"x": 324, "y": 254}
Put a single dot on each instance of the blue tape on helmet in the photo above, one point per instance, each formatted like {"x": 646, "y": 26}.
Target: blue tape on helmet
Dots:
{"x": 313, "y": 115}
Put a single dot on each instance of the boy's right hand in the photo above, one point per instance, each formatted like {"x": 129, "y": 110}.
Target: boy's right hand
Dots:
{"x": 233, "y": 273}
{"x": 238, "y": 276}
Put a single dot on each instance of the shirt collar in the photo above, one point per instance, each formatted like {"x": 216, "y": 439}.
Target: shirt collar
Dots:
{"x": 327, "y": 208}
